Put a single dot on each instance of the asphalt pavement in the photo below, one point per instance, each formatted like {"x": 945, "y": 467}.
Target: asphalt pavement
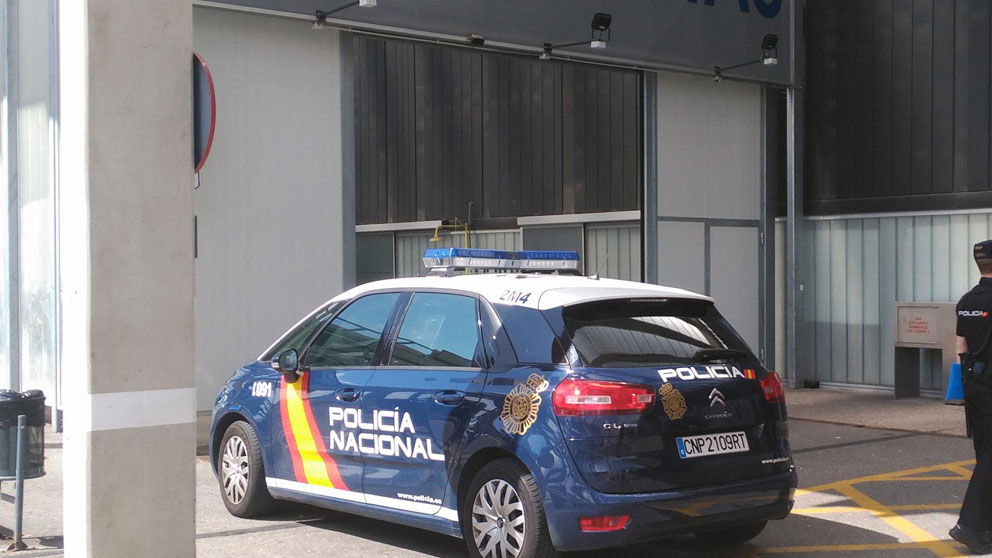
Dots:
{"x": 864, "y": 491}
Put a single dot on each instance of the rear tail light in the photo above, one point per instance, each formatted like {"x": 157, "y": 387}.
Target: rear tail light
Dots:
{"x": 590, "y": 397}
{"x": 603, "y": 523}
{"x": 771, "y": 386}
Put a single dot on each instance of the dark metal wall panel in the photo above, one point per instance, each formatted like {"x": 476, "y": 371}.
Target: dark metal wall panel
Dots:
{"x": 898, "y": 116}
{"x": 978, "y": 97}
{"x": 449, "y": 152}
{"x": 922, "y": 98}
{"x": 522, "y": 136}
{"x": 862, "y": 86}
{"x": 370, "y": 129}
{"x": 943, "y": 96}
{"x": 822, "y": 117}
{"x": 844, "y": 85}
{"x": 881, "y": 106}
{"x": 401, "y": 140}
{"x": 601, "y": 139}
{"x": 441, "y": 127}
{"x": 902, "y": 96}
{"x": 962, "y": 17}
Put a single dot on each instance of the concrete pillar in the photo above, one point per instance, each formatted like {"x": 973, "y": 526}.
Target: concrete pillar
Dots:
{"x": 126, "y": 275}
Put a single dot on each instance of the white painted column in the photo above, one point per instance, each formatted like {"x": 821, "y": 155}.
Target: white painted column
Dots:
{"x": 127, "y": 278}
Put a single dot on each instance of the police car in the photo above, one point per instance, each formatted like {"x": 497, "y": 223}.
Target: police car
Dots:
{"x": 524, "y": 412}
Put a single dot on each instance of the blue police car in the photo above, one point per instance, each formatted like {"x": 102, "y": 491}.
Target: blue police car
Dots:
{"x": 524, "y": 412}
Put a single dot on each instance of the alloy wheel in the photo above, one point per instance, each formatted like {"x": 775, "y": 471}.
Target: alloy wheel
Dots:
{"x": 498, "y": 520}
{"x": 234, "y": 469}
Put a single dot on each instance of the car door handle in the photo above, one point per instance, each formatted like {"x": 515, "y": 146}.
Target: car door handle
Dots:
{"x": 449, "y": 397}
{"x": 347, "y": 394}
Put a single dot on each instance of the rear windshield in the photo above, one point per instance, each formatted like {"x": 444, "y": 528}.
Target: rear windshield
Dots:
{"x": 639, "y": 332}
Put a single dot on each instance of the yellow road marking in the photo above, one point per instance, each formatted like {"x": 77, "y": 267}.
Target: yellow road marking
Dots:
{"x": 828, "y": 509}
{"x": 889, "y": 514}
{"x": 895, "y": 475}
{"x": 925, "y": 507}
{"x": 917, "y": 479}
{"x": 894, "y": 520}
{"x": 843, "y": 548}
{"x": 966, "y": 473}
{"x": 823, "y": 510}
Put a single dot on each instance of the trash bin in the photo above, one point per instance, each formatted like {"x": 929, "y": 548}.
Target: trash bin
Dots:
{"x": 31, "y": 404}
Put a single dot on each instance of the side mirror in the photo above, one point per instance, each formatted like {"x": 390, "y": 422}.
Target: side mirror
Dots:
{"x": 287, "y": 362}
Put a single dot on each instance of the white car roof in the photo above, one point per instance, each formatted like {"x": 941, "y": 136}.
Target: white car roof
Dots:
{"x": 543, "y": 291}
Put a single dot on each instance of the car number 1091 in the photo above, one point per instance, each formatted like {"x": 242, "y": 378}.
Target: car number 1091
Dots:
{"x": 712, "y": 444}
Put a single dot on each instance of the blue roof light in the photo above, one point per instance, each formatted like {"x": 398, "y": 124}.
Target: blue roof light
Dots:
{"x": 446, "y": 259}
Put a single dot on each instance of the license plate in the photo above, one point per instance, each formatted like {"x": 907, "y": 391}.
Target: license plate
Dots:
{"x": 712, "y": 444}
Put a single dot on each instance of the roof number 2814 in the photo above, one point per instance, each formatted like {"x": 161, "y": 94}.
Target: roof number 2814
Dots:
{"x": 515, "y": 297}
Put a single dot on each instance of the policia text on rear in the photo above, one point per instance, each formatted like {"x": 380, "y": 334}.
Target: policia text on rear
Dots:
{"x": 509, "y": 401}
{"x": 974, "y": 330}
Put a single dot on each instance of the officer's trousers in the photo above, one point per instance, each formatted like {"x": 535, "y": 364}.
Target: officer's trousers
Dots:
{"x": 976, "y": 510}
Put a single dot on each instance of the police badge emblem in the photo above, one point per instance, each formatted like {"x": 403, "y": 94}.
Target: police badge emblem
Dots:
{"x": 521, "y": 404}
{"x": 673, "y": 401}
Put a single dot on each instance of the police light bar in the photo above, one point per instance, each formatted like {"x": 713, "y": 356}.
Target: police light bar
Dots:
{"x": 547, "y": 261}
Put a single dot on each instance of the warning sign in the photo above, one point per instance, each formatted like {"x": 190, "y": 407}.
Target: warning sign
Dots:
{"x": 918, "y": 326}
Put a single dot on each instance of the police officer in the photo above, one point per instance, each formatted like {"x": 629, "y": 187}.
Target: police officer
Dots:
{"x": 974, "y": 326}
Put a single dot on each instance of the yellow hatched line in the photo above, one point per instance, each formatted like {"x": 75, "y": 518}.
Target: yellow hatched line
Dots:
{"x": 896, "y": 475}
{"x": 828, "y": 509}
{"x": 897, "y": 522}
{"x": 854, "y": 509}
{"x": 844, "y": 548}
{"x": 864, "y": 503}
{"x": 925, "y": 507}
{"x": 932, "y": 478}
{"x": 966, "y": 473}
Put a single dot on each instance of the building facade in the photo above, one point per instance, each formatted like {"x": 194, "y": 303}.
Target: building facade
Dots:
{"x": 339, "y": 151}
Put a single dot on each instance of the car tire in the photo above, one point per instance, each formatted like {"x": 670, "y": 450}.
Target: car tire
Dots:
{"x": 241, "y": 474}
{"x": 504, "y": 492}
{"x": 731, "y": 536}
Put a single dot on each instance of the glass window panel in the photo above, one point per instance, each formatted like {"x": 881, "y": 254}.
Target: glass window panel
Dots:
{"x": 352, "y": 338}
{"x": 621, "y": 333}
{"x": 297, "y": 338}
{"x": 439, "y": 330}
{"x": 36, "y": 201}
{"x": 532, "y": 337}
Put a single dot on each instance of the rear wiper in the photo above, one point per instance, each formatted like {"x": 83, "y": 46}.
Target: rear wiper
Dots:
{"x": 708, "y": 355}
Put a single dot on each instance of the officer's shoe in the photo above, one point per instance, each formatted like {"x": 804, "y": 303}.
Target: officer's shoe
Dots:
{"x": 971, "y": 538}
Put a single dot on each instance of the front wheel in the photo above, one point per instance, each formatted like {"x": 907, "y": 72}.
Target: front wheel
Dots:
{"x": 732, "y": 536}
{"x": 240, "y": 472}
{"x": 502, "y": 515}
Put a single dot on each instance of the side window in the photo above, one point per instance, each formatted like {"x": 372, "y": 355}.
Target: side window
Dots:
{"x": 532, "y": 337}
{"x": 352, "y": 337}
{"x": 439, "y": 330}
{"x": 497, "y": 344}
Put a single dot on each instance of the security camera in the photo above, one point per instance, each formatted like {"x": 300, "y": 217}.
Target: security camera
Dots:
{"x": 476, "y": 40}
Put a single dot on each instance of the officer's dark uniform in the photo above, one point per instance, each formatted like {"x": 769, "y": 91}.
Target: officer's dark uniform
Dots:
{"x": 974, "y": 321}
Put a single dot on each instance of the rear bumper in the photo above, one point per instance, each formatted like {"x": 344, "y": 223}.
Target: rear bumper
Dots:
{"x": 661, "y": 514}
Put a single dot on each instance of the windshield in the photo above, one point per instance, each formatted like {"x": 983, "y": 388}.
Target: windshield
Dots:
{"x": 298, "y": 336}
{"x": 649, "y": 332}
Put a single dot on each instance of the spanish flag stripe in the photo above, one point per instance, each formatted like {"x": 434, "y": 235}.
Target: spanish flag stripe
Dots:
{"x": 329, "y": 465}
{"x": 313, "y": 463}
{"x": 288, "y": 429}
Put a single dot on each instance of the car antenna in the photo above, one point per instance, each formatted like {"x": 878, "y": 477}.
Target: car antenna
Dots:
{"x": 595, "y": 276}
